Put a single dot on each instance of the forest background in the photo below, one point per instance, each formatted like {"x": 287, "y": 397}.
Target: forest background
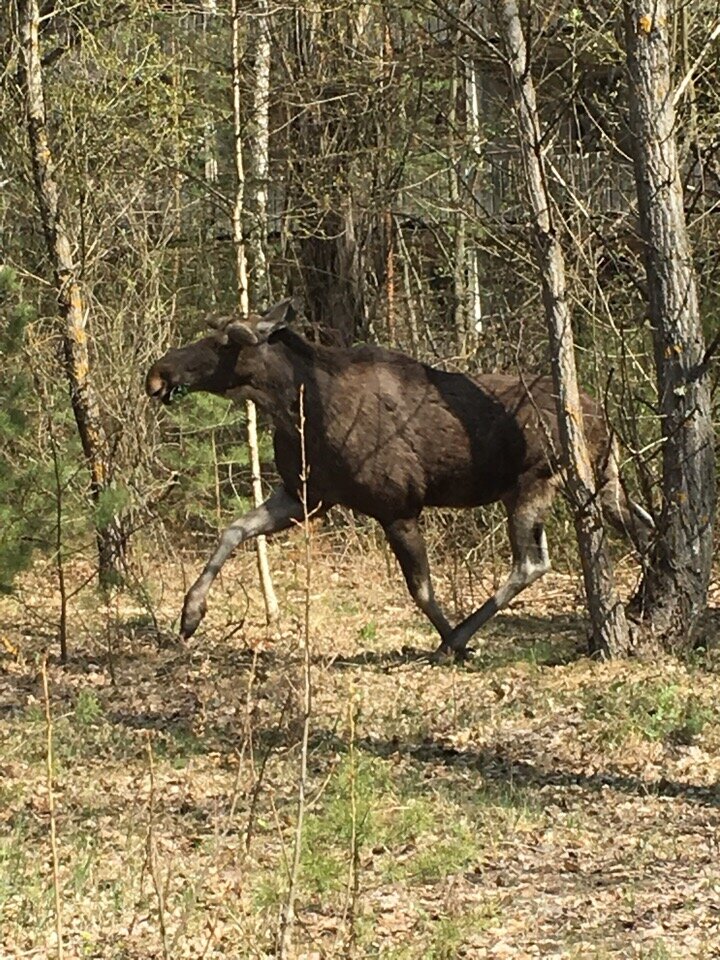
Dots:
{"x": 364, "y": 156}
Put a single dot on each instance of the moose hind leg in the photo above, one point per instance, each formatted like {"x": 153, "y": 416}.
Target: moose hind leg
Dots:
{"x": 408, "y": 545}
{"x": 276, "y": 513}
{"x": 530, "y": 562}
{"x": 627, "y": 517}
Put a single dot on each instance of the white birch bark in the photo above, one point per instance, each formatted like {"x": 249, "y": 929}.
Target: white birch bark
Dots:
{"x": 241, "y": 264}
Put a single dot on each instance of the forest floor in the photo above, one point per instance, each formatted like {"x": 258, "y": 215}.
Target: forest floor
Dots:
{"x": 532, "y": 803}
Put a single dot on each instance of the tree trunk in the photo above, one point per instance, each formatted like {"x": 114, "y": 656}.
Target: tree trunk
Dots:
{"x": 239, "y": 213}
{"x": 457, "y": 85}
{"x": 473, "y": 123}
{"x": 110, "y": 540}
{"x": 610, "y": 634}
{"x": 330, "y": 249}
{"x": 331, "y": 262}
{"x": 673, "y": 594}
{"x": 389, "y": 244}
{"x": 259, "y": 152}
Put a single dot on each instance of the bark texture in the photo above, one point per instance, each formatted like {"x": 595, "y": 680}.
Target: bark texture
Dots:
{"x": 673, "y": 594}
{"x": 332, "y": 270}
{"x": 609, "y": 628}
{"x": 73, "y": 313}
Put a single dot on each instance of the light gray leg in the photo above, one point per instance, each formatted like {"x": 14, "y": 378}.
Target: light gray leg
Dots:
{"x": 276, "y": 513}
{"x": 628, "y": 517}
{"x": 530, "y": 561}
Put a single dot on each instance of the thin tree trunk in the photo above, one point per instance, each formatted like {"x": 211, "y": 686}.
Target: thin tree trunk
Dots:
{"x": 59, "y": 541}
{"x": 269, "y": 597}
{"x": 459, "y": 286}
{"x": 389, "y": 231}
{"x": 110, "y": 541}
{"x": 388, "y": 218}
{"x": 673, "y": 594}
{"x": 473, "y": 122}
{"x": 610, "y": 634}
{"x": 259, "y": 151}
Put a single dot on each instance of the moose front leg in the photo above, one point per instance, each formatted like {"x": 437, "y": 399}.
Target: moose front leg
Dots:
{"x": 408, "y": 545}
{"x": 276, "y": 513}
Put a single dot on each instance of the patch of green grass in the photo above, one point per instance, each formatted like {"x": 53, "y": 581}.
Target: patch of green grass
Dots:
{"x": 324, "y": 870}
{"x": 86, "y": 733}
{"x": 368, "y": 632}
{"x": 140, "y": 622}
{"x": 350, "y": 813}
{"x": 268, "y": 891}
{"x": 178, "y": 744}
{"x": 658, "y": 951}
{"x": 488, "y": 805}
{"x": 650, "y": 710}
{"x": 25, "y": 895}
{"x": 346, "y": 605}
{"x": 83, "y": 863}
{"x": 393, "y": 953}
{"x": 418, "y": 833}
{"x": 410, "y": 820}
{"x": 449, "y": 934}
{"x": 88, "y": 709}
{"x": 443, "y": 856}
{"x": 510, "y": 643}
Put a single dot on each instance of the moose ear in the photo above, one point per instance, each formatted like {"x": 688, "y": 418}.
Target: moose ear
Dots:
{"x": 277, "y": 317}
{"x": 242, "y": 332}
{"x": 252, "y": 330}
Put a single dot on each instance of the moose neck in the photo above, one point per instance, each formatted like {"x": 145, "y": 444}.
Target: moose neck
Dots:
{"x": 288, "y": 363}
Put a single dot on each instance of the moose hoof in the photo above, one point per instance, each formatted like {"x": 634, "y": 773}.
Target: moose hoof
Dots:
{"x": 192, "y": 615}
{"x": 443, "y": 654}
{"x": 446, "y": 655}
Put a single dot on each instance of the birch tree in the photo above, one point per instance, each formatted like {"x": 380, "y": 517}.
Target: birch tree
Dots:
{"x": 610, "y": 634}
{"x": 673, "y": 594}
{"x": 259, "y": 151}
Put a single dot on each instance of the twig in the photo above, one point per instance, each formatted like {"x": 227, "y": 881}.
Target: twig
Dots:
{"x": 151, "y": 854}
{"x": 288, "y": 913}
{"x": 712, "y": 348}
{"x": 353, "y": 887}
{"x": 688, "y": 78}
{"x": 259, "y": 777}
{"x": 51, "y": 809}
{"x": 59, "y": 551}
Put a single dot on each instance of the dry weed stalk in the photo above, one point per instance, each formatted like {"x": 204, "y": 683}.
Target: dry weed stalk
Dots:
{"x": 151, "y": 858}
{"x": 353, "y": 883}
{"x": 191, "y": 903}
{"x": 51, "y": 811}
{"x": 257, "y": 774}
{"x": 288, "y": 912}
{"x": 59, "y": 544}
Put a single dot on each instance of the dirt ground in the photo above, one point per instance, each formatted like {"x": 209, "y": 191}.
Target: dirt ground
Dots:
{"x": 532, "y": 803}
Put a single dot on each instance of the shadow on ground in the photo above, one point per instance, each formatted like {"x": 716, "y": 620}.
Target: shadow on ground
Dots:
{"x": 497, "y": 766}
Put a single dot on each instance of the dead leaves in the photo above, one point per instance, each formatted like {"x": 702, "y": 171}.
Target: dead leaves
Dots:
{"x": 501, "y": 820}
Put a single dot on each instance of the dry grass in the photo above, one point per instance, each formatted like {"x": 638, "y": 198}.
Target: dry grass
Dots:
{"x": 530, "y": 804}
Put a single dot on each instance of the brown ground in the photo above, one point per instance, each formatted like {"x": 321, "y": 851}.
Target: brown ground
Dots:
{"x": 531, "y": 804}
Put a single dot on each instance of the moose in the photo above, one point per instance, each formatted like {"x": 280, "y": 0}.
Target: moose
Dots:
{"x": 388, "y": 436}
